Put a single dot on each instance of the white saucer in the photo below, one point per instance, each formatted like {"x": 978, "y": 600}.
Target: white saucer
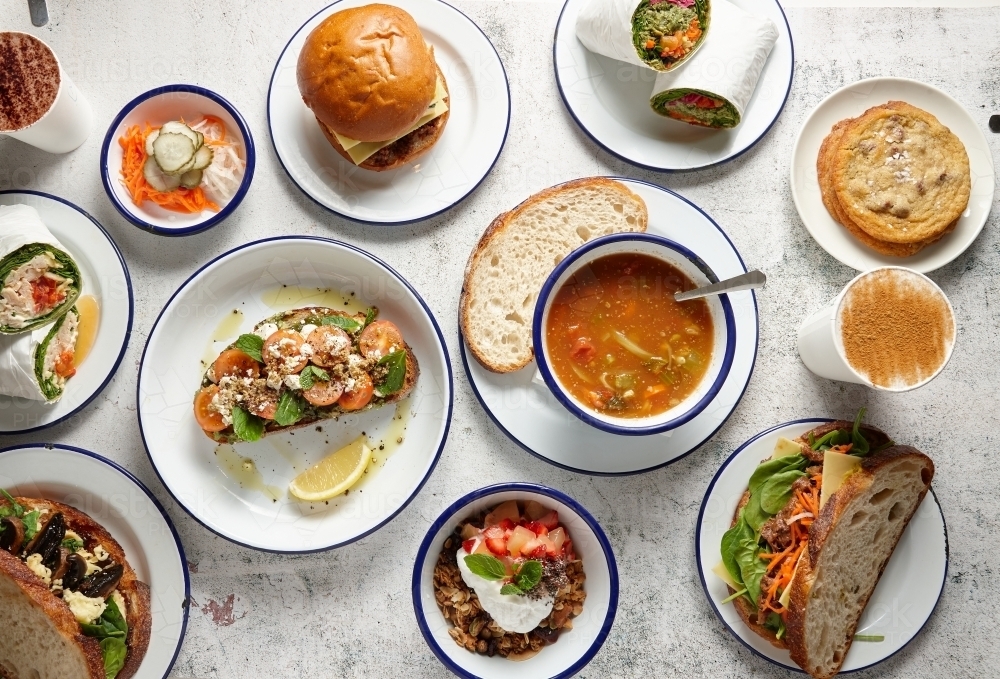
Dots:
{"x": 106, "y": 278}
{"x": 529, "y": 413}
{"x": 260, "y": 279}
{"x": 853, "y": 100}
{"x": 609, "y": 100}
{"x": 904, "y": 598}
{"x": 119, "y": 502}
{"x": 466, "y": 152}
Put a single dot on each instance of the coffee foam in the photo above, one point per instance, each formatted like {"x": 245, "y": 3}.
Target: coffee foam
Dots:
{"x": 29, "y": 80}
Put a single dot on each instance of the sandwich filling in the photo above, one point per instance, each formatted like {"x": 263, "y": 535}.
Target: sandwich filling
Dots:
{"x": 360, "y": 151}
{"x": 79, "y": 571}
{"x": 37, "y": 281}
{"x": 55, "y": 356}
{"x": 696, "y": 107}
{"x": 761, "y": 551}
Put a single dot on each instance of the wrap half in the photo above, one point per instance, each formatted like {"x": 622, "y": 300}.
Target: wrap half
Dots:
{"x": 39, "y": 281}
{"x": 657, "y": 34}
{"x": 713, "y": 89}
{"x": 37, "y": 365}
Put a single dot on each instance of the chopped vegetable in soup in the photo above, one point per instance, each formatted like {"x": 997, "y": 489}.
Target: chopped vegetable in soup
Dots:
{"x": 619, "y": 342}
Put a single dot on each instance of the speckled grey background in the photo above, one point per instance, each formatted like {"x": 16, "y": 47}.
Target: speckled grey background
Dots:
{"x": 348, "y": 613}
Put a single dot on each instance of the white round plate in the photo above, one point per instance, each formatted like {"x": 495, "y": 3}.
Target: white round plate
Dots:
{"x": 255, "y": 510}
{"x": 529, "y": 414}
{"x": 609, "y": 100}
{"x": 904, "y": 598}
{"x": 853, "y": 100}
{"x": 466, "y": 152}
{"x": 105, "y": 276}
{"x": 119, "y": 502}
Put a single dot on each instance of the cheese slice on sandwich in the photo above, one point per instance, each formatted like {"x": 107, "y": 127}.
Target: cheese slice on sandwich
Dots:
{"x": 836, "y": 468}
{"x": 360, "y": 151}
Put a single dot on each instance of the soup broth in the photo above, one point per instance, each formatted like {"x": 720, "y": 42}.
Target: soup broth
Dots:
{"x": 619, "y": 342}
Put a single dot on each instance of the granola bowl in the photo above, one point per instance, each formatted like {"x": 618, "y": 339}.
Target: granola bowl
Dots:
{"x": 575, "y": 595}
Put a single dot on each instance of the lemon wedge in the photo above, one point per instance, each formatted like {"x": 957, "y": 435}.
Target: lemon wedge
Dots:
{"x": 333, "y": 474}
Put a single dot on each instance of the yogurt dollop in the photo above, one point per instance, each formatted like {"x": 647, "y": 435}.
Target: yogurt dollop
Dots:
{"x": 513, "y": 612}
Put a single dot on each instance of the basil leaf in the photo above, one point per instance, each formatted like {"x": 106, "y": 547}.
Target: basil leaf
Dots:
{"x": 771, "y": 467}
{"x": 30, "y": 521}
{"x": 528, "y": 575}
{"x": 289, "y": 411}
{"x": 397, "y": 372}
{"x": 310, "y": 375}
{"x": 72, "y": 545}
{"x": 730, "y": 541}
{"x": 754, "y": 514}
{"x": 345, "y": 323}
{"x": 777, "y": 490}
{"x": 248, "y": 427}
{"x": 370, "y": 315}
{"x": 486, "y": 566}
{"x": 251, "y": 345}
{"x": 510, "y": 589}
{"x": 18, "y": 509}
{"x": 114, "y": 652}
{"x": 860, "y": 446}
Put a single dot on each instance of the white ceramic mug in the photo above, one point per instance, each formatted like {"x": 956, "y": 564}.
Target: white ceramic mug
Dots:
{"x": 821, "y": 345}
{"x": 67, "y": 122}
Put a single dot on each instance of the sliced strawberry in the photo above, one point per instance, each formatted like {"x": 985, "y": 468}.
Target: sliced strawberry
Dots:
{"x": 494, "y": 532}
{"x": 507, "y": 524}
{"x": 568, "y": 550}
{"x": 497, "y": 545}
{"x": 537, "y": 527}
{"x": 550, "y": 520}
{"x": 538, "y": 552}
{"x": 469, "y": 545}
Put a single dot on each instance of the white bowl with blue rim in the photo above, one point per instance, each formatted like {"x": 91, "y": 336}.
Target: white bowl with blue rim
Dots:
{"x": 719, "y": 306}
{"x": 158, "y": 106}
{"x": 575, "y": 647}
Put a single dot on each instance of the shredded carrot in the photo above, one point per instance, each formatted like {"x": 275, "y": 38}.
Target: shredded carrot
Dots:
{"x": 133, "y": 144}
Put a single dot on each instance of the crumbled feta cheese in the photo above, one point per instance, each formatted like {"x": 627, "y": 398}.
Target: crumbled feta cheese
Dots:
{"x": 84, "y": 608}
{"x": 293, "y": 382}
{"x": 307, "y": 329}
{"x": 34, "y": 562}
{"x": 101, "y": 553}
{"x": 119, "y": 600}
{"x": 266, "y": 330}
{"x": 274, "y": 380}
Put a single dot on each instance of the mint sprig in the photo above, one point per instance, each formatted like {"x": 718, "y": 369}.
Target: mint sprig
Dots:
{"x": 246, "y": 426}
{"x": 289, "y": 410}
{"x": 345, "y": 323}
{"x": 393, "y": 382}
{"x": 486, "y": 566}
{"x": 370, "y": 315}
{"x": 251, "y": 345}
{"x": 310, "y": 375}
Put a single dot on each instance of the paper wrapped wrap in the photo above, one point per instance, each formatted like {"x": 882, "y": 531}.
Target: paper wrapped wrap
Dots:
{"x": 726, "y": 67}
{"x": 22, "y": 360}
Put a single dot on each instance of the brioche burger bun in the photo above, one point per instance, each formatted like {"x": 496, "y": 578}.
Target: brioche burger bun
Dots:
{"x": 367, "y": 74}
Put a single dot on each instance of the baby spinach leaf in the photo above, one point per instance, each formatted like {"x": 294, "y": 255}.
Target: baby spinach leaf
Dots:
{"x": 114, "y": 652}
{"x": 345, "y": 323}
{"x": 110, "y": 624}
{"x": 767, "y": 469}
{"x": 310, "y": 375}
{"x": 837, "y": 437}
{"x": 396, "y": 361}
{"x": 510, "y": 588}
{"x": 777, "y": 490}
{"x": 754, "y": 514}
{"x": 248, "y": 427}
{"x": 730, "y": 542}
{"x": 752, "y": 568}
{"x": 72, "y": 545}
{"x": 486, "y": 566}
{"x": 860, "y": 445}
{"x": 251, "y": 345}
{"x": 289, "y": 409}
{"x": 528, "y": 575}
{"x": 14, "y": 506}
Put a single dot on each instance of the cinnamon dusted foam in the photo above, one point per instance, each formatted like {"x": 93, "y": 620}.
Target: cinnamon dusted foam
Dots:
{"x": 29, "y": 80}
{"x": 897, "y": 328}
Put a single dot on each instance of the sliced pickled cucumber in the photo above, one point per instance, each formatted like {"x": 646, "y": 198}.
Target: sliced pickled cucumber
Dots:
{"x": 203, "y": 158}
{"x": 187, "y": 167}
{"x": 191, "y": 179}
{"x": 156, "y": 178}
{"x": 177, "y": 127}
{"x": 173, "y": 151}
{"x": 149, "y": 141}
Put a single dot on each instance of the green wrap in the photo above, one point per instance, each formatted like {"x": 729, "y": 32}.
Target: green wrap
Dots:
{"x": 68, "y": 269}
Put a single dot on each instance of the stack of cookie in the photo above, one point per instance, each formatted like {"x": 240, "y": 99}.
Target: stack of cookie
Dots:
{"x": 895, "y": 177}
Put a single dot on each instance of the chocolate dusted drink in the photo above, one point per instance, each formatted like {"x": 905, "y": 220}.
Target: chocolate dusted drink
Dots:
{"x": 29, "y": 80}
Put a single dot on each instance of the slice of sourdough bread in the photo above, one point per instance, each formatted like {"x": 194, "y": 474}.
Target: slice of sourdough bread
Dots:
{"x": 849, "y": 547}
{"x": 517, "y": 253}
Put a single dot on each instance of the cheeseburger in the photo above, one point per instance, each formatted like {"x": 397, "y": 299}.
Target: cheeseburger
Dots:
{"x": 371, "y": 81}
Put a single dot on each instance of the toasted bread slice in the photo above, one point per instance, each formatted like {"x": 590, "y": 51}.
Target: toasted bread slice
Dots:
{"x": 47, "y": 642}
{"x": 518, "y": 251}
{"x": 849, "y": 547}
{"x": 316, "y": 414}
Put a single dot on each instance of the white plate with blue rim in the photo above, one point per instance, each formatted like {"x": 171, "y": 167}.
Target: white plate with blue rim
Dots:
{"x": 479, "y": 104}
{"x": 127, "y": 509}
{"x": 574, "y": 648}
{"x": 609, "y": 100}
{"x": 901, "y": 604}
{"x": 531, "y": 415}
{"x": 241, "y": 491}
{"x": 155, "y": 107}
{"x": 106, "y": 278}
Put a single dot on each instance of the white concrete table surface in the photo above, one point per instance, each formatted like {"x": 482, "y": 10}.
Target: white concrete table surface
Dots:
{"x": 348, "y": 613}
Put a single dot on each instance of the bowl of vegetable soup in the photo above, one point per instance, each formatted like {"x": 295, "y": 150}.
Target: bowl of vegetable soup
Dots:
{"x": 615, "y": 347}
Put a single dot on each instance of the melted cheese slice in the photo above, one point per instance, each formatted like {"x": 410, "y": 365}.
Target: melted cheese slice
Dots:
{"x": 723, "y": 573}
{"x": 836, "y": 468}
{"x": 785, "y": 447}
{"x": 786, "y": 595}
{"x": 360, "y": 151}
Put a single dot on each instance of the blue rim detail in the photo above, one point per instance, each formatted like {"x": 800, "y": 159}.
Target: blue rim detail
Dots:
{"x": 553, "y": 384}
{"x": 186, "y": 605}
{"x": 128, "y": 327}
{"x": 447, "y": 362}
{"x": 463, "y": 352}
{"x": 701, "y": 573}
{"x": 358, "y": 220}
{"x": 448, "y": 514}
{"x": 562, "y": 95}
{"x": 226, "y": 210}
